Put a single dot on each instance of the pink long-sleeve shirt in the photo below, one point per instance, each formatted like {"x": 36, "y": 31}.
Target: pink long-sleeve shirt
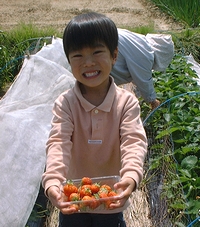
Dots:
{"x": 95, "y": 141}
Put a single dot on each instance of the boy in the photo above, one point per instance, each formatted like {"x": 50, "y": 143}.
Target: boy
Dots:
{"x": 96, "y": 127}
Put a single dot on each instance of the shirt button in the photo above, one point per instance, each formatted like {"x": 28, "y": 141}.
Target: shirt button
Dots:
{"x": 96, "y": 111}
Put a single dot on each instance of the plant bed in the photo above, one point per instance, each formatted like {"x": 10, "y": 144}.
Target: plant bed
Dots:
{"x": 173, "y": 160}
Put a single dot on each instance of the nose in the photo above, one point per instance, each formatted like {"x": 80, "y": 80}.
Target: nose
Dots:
{"x": 89, "y": 61}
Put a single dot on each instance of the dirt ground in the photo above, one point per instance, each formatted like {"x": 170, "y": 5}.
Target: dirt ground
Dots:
{"x": 57, "y": 13}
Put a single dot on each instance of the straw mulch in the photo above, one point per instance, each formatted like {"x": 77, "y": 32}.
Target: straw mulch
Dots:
{"x": 138, "y": 213}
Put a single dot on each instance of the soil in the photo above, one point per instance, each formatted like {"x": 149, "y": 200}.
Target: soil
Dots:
{"x": 57, "y": 13}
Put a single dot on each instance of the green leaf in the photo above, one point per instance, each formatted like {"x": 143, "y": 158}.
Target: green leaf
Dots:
{"x": 179, "y": 206}
{"x": 186, "y": 149}
{"x": 193, "y": 207}
{"x": 167, "y": 132}
{"x": 179, "y": 140}
{"x": 179, "y": 224}
{"x": 189, "y": 162}
{"x": 185, "y": 173}
{"x": 167, "y": 117}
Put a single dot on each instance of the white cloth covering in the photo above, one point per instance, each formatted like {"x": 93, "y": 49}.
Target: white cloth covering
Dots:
{"x": 25, "y": 115}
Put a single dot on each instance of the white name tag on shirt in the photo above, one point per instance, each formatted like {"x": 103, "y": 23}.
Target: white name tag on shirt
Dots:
{"x": 95, "y": 141}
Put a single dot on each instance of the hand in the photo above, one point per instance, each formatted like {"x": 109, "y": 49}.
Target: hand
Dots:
{"x": 154, "y": 104}
{"x": 56, "y": 197}
{"x": 127, "y": 185}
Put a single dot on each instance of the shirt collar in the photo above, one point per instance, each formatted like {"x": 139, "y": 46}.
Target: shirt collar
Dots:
{"x": 104, "y": 106}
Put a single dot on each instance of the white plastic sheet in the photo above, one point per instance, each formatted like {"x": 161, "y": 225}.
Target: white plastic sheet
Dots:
{"x": 25, "y": 115}
{"x": 195, "y": 66}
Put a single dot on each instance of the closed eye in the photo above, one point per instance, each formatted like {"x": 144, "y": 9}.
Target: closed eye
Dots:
{"x": 76, "y": 56}
{"x": 98, "y": 52}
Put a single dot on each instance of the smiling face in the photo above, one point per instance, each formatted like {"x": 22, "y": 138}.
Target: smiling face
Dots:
{"x": 91, "y": 66}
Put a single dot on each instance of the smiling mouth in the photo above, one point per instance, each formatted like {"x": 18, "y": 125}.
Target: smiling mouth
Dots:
{"x": 91, "y": 74}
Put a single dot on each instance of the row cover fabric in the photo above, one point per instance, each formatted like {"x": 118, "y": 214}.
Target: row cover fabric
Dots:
{"x": 25, "y": 115}
{"x": 195, "y": 66}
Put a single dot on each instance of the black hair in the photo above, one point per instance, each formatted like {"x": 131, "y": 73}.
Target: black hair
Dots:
{"x": 86, "y": 30}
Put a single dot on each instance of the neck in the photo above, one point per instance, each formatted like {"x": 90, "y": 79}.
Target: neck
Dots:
{"x": 95, "y": 95}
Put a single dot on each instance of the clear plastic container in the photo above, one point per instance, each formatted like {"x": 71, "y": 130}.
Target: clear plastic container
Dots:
{"x": 96, "y": 202}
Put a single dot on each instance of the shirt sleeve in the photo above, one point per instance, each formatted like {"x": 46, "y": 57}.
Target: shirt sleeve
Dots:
{"x": 58, "y": 161}
{"x": 133, "y": 142}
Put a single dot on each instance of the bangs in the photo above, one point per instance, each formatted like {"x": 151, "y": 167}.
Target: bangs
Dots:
{"x": 84, "y": 36}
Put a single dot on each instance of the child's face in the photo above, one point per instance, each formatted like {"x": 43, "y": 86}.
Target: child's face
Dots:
{"x": 91, "y": 66}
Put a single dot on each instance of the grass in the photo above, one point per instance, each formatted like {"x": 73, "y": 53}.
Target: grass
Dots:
{"x": 142, "y": 29}
{"x": 186, "y": 11}
{"x": 24, "y": 39}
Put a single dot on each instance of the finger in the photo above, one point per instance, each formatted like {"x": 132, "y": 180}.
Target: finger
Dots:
{"x": 117, "y": 204}
{"x": 69, "y": 210}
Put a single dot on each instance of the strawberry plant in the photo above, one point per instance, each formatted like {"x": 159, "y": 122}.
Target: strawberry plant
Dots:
{"x": 175, "y": 146}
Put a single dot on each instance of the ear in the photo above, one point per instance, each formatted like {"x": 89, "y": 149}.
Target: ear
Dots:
{"x": 115, "y": 55}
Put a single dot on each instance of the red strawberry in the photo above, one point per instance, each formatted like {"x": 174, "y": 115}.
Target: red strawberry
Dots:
{"x": 86, "y": 180}
{"x": 74, "y": 196}
{"x": 85, "y": 190}
{"x": 95, "y": 188}
{"x": 86, "y": 201}
{"x": 69, "y": 188}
